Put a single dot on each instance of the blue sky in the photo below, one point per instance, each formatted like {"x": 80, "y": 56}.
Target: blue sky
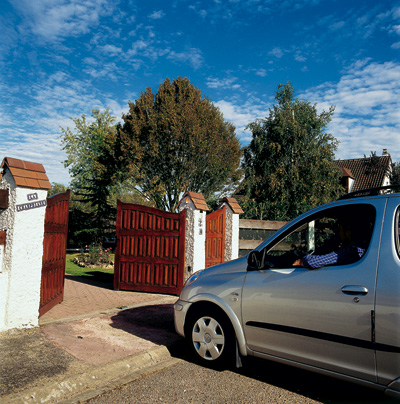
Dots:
{"x": 61, "y": 59}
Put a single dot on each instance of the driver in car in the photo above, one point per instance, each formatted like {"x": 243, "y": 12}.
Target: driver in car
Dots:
{"x": 348, "y": 251}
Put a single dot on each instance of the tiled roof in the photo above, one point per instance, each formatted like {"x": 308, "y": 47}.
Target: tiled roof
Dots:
{"x": 197, "y": 199}
{"x": 347, "y": 173}
{"x": 233, "y": 204}
{"x": 367, "y": 172}
{"x": 26, "y": 174}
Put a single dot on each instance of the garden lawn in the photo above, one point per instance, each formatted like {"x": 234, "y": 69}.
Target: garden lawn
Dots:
{"x": 101, "y": 274}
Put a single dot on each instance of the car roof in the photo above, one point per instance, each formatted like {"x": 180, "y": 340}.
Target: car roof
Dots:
{"x": 378, "y": 191}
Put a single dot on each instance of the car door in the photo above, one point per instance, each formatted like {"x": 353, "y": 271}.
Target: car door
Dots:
{"x": 316, "y": 317}
{"x": 387, "y": 309}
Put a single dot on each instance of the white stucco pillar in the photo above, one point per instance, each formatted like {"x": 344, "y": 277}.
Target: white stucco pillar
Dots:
{"x": 195, "y": 250}
{"x": 233, "y": 210}
{"x": 20, "y": 274}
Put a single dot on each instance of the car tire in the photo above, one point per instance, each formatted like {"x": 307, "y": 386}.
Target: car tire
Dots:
{"x": 211, "y": 337}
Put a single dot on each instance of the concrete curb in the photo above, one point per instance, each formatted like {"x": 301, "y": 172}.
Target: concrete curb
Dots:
{"x": 93, "y": 382}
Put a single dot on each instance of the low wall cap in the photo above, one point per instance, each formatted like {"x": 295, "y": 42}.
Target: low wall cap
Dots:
{"x": 26, "y": 174}
{"x": 197, "y": 199}
{"x": 233, "y": 204}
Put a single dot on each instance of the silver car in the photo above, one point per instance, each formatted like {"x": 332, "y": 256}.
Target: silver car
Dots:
{"x": 322, "y": 293}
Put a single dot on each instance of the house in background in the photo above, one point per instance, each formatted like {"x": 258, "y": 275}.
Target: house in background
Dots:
{"x": 367, "y": 172}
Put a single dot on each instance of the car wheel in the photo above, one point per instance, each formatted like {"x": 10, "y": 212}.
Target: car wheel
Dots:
{"x": 211, "y": 338}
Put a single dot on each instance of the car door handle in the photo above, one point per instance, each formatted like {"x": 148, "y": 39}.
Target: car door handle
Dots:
{"x": 354, "y": 290}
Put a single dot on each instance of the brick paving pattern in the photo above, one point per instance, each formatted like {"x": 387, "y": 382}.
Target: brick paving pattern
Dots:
{"x": 83, "y": 298}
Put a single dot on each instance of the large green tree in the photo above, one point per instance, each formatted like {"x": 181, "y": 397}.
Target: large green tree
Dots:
{"x": 288, "y": 164}
{"x": 175, "y": 141}
{"x": 83, "y": 145}
{"x": 91, "y": 183}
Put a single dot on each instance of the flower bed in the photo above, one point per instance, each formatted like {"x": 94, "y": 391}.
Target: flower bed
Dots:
{"x": 95, "y": 256}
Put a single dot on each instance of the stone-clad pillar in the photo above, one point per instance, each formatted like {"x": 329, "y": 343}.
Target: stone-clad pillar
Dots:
{"x": 233, "y": 210}
{"x": 195, "y": 253}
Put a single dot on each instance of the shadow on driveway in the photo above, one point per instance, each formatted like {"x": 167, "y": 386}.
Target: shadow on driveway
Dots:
{"x": 154, "y": 323}
{"x": 95, "y": 278}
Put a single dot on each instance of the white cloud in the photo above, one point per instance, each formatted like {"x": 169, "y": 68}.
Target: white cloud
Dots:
{"x": 261, "y": 72}
{"x": 203, "y": 13}
{"x": 101, "y": 69}
{"x": 367, "y": 100}
{"x": 396, "y": 29}
{"x": 52, "y": 102}
{"x": 367, "y": 114}
{"x": 154, "y": 53}
{"x": 52, "y": 20}
{"x": 157, "y": 15}
{"x": 241, "y": 115}
{"x": 337, "y": 25}
{"x": 298, "y": 57}
{"x": 144, "y": 48}
{"x": 228, "y": 82}
{"x": 234, "y": 9}
{"x": 38, "y": 148}
{"x": 276, "y": 52}
{"x": 110, "y": 50}
{"x": 192, "y": 56}
{"x": 8, "y": 37}
{"x": 137, "y": 47}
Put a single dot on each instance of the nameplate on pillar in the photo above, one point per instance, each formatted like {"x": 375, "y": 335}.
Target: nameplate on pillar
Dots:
{"x": 31, "y": 205}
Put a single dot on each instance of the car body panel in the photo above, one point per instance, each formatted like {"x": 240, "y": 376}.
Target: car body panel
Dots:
{"x": 304, "y": 316}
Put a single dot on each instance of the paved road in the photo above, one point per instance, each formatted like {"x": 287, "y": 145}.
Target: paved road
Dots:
{"x": 257, "y": 382}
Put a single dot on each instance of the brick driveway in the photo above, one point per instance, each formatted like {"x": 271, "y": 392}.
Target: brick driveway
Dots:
{"x": 85, "y": 298}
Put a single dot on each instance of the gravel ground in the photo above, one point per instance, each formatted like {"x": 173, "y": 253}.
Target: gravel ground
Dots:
{"x": 186, "y": 383}
{"x": 28, "y": 359}
{"x": 258, "y": 382}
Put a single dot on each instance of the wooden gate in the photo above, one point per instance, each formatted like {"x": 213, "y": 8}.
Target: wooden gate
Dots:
{"x": 54, "y": 251}
{"x": 150, "y": 254}
{"x": 215, "y": 237}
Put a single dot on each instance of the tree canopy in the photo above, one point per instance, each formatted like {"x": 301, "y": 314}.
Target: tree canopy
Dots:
{"x": 395, "y": 174}
{"x": 288, "y": 164}
{"x": 175, "y": 141}
{"x": 83, "y": 147}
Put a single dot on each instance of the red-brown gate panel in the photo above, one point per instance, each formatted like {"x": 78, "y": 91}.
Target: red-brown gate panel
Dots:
{"x": 54, "y": 251}
{"x": 150, "y": 254}
{"x": 215, "y": 237}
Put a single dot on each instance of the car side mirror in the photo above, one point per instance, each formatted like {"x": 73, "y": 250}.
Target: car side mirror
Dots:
{"x": 254, "y": 261}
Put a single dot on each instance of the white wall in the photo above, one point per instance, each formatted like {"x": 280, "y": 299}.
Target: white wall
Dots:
{"x": 22, "y": 267}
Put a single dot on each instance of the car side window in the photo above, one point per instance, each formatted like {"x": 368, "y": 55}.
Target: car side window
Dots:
{"x": 335, "y": 236}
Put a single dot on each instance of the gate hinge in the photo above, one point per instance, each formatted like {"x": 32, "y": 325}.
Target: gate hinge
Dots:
{"x": 4, "y": 198}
